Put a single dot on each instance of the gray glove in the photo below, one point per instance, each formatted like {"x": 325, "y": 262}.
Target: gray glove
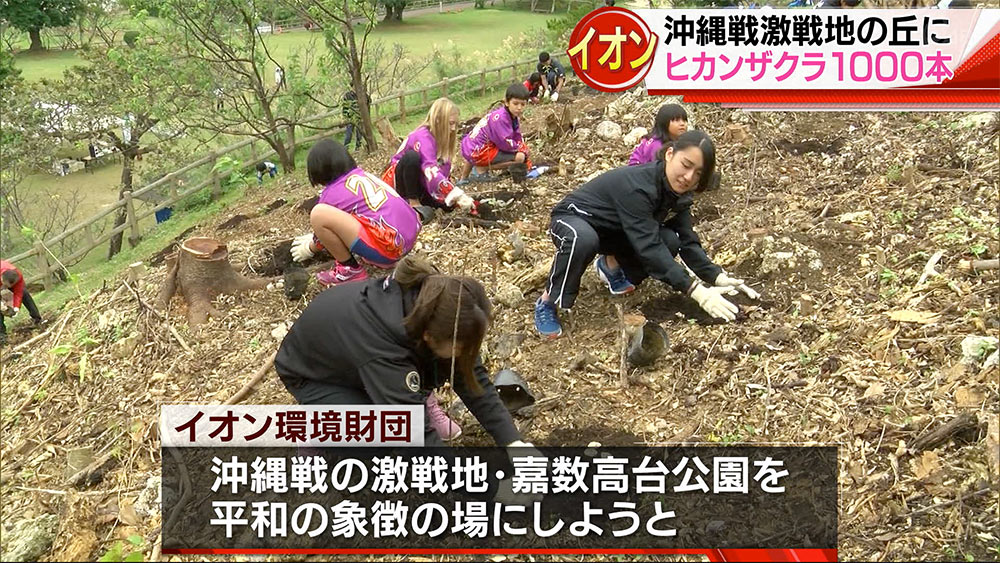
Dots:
{"x": 425, "y": 213}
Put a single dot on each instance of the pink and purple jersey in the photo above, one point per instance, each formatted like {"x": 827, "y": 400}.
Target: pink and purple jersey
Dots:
{"x": 434, "y": 173}
{"x": 368, "y": 197}
{"x": 645, "y": 151}
{"x": 498, "y": 127}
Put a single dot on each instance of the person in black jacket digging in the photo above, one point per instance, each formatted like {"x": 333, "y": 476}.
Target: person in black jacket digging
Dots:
{"x": 637, "y": 218}
{"x": 392, "y": 341}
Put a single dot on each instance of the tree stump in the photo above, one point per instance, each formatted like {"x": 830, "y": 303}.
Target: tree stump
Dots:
{"x": 200, "y": 271}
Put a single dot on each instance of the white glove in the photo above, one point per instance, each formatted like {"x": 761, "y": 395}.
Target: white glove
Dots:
{"x": 458, "y": 198}
{"x": 711, "y": 300}
{"x": 465, "y": 203}
{"x": 723, "y": 280}
{"x": 545, "y": 94}
{"x": 520, "y": 444}
{"x": 14, "y": 310}
{"x": 302, "y": 248}
{"x": 555, "y": 96}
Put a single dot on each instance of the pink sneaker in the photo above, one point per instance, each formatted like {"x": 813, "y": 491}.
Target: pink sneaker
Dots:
{"x": 341, "y": 274}
{"x": 447, "y": 428}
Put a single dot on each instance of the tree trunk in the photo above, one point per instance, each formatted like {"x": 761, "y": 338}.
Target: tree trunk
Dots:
{"x": 200, "y": 271}
{"x": 286, "y": 159}
{"x": 36, "y": 40}
{"x": 354, "y": 62}
{"x": 128, "y": 161}
{"x": 399, "y": 12}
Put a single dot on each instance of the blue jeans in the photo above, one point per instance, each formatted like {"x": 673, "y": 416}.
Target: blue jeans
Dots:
{"x": 352, "y": 129}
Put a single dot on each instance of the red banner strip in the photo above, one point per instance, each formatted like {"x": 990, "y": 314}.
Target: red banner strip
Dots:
{"x": 816, "y": 555}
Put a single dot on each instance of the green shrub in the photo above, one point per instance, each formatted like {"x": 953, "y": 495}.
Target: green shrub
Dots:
{"x": 131, "y": 37}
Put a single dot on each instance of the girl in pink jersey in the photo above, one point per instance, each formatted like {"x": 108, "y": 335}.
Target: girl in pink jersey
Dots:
{"x": 671, "y": 122}
{"x": 358, "y": 216}
{"x": 421, "y": 167}
{"x": 496, "y": 142}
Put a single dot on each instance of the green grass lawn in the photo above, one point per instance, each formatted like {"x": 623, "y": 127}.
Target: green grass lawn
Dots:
{"x": 46, "y": 64}
{"x": 97, "y": 189}
{"x": 471, "y": 30}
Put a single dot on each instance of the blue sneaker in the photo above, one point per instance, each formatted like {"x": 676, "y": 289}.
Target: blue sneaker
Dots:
{"x": 617, "y": 281}
{"x": 546, "y": 319}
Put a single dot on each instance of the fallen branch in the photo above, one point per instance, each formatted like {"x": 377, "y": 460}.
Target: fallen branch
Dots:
{"x": 51, "y": 372}
{"x": 102, "y": 492}
{"x": 257, "y": 377}
{"x": 938, "y": 436}
{"x": 979, "y": 265}
{"x": 473, "y": 222}
{"x": 177, "y": 335}
{"x": 42, "y": 335}
{"x": 82, "y": 474}
{"x": 962, "y": 498}
{"x": 30, "y": 342}
{"x": 142, "y": 303}
{"x": 929, "y": 268}
{"x": 48, "y": 379}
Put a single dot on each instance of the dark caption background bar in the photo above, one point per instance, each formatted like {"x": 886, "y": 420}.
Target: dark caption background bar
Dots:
{"x": 804, "y": 516}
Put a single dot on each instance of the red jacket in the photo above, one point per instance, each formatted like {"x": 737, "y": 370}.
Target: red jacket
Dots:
{"x": 18, "y": 288}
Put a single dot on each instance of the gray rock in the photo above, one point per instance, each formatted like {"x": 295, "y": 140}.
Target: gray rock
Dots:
{"x": 30, "y": 539}
{"x": 632, "y": 137}
{"x": 507, "y": 345}
{"x": 148, "y": 502}
{"x": 609, "y": 130}
{"x": 509, "y": 296}
{"x": 975, "y": 348}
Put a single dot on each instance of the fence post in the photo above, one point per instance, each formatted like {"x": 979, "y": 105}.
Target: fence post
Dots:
{"x": 482, "y": 83}
{"x": 444, "y": 87}
{"x": 513, "y": 71}
{"x": 43, "y": 264}
{"x": 173, "y": 189}
{"x": 133, "y": 225}
{"x": 253, "y": 152}
{"x": 423, "y": 98}
{"x": 402, "y": 106}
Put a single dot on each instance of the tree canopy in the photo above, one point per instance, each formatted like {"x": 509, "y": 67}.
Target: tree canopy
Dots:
{"x": 34, "y": 15}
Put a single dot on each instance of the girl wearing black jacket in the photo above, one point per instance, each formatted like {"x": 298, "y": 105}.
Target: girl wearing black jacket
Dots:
{"x": 392, "y": 341}
{"x": 642, "y": 216}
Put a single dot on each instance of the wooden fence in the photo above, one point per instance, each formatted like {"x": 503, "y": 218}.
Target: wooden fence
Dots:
{"x": 176, "y": 184}
{"x": 297, "y": 22}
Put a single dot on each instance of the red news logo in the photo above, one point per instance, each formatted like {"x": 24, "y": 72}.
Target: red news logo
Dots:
{"x": 611, "y": 49}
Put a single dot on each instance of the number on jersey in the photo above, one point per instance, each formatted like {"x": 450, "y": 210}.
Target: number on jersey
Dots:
{"x": 375, "y": 191}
